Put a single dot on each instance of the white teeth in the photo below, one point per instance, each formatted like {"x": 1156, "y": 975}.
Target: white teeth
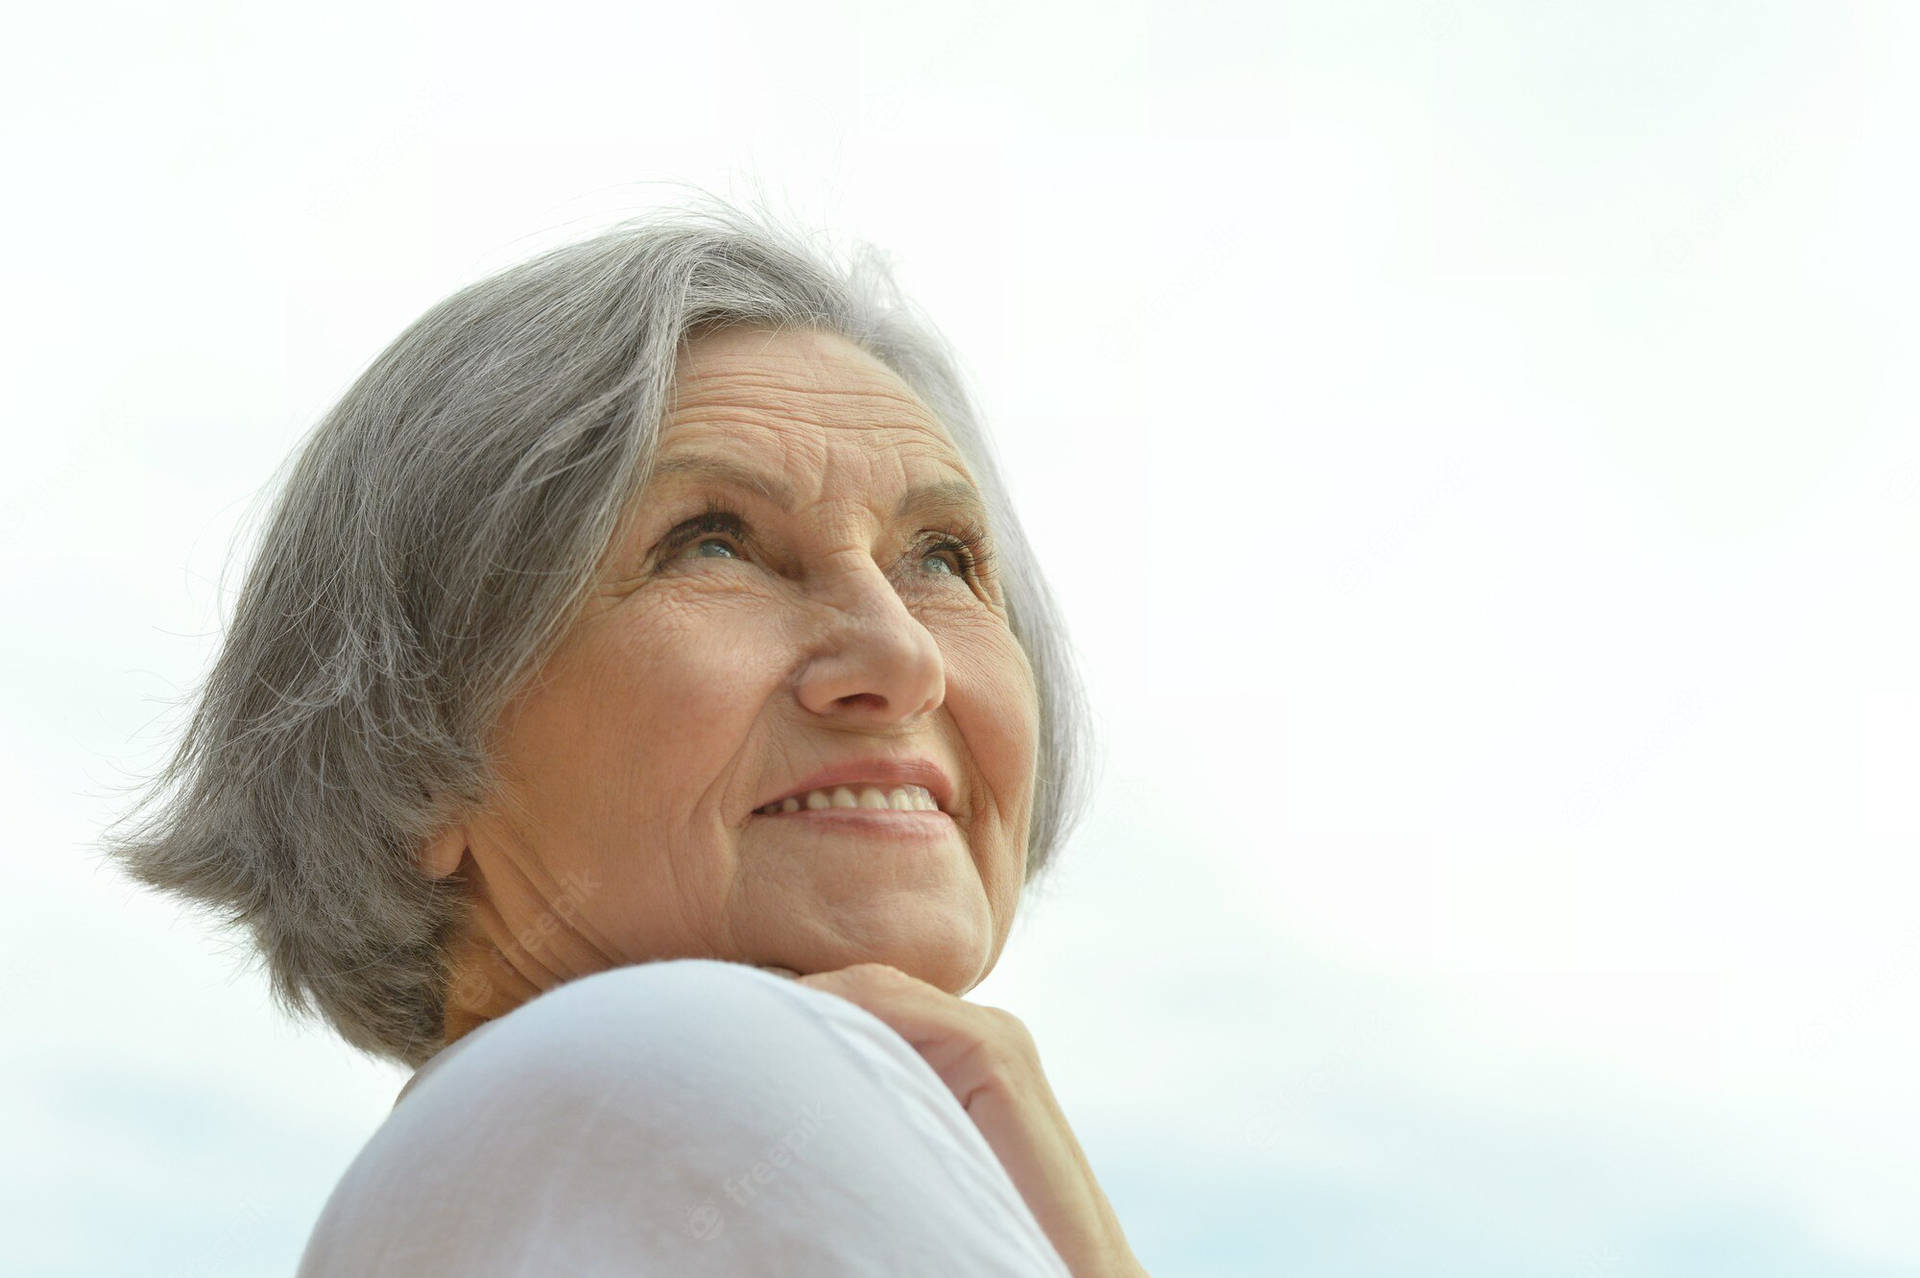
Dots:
{"x": 905, "y": 798}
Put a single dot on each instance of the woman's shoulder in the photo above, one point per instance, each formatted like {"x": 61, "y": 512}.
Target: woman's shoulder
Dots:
{"x": 642, "y": 1008}
{"x": 699, "y": 1024}
{"x": 706, "y": 1054}
{"x": 690, "y": 1111}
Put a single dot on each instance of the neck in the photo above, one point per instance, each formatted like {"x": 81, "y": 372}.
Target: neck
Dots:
{"x": 484, "y": 985}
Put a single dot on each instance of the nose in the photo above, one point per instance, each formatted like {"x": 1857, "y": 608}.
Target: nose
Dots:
{"x": 874, "y": 663}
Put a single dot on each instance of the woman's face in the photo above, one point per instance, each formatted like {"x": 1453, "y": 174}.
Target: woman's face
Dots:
{"x": 724, "y": 663}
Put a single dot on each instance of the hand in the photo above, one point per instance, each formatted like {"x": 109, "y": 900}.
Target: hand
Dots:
{"x": 989, "y": 1062}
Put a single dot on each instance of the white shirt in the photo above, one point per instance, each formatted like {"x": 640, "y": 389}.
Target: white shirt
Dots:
{"x": 687, "y": 1116}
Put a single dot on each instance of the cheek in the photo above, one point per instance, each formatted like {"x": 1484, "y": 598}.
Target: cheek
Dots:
{"x": 997, "y": 702}
{"x": 691, "y": 678}
{"x": 649, "y": 705}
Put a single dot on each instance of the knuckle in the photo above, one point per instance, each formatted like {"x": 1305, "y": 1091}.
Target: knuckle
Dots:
{"x": 1006, "y": 1020}
{"x": 1010, "y": 1035}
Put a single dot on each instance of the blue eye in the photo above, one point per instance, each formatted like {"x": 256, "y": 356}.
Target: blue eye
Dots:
{"x": 716, "y": 519}
{"x": 968, "y": 556}
{"x": 972, "y": 557}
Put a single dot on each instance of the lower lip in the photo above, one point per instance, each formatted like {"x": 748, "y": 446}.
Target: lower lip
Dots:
{"x": 896, "y": 823}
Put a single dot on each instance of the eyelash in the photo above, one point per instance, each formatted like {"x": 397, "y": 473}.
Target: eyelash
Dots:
{"x": 966, "y": 539}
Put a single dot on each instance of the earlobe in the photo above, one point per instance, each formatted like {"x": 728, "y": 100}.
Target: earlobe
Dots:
{"x": 442, "y": 854}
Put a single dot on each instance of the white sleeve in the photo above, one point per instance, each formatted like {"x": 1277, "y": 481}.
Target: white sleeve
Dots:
{"x": 688, "y": 1116}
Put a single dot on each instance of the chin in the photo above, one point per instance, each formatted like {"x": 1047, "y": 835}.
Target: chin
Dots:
{"x": 954, "y": 970}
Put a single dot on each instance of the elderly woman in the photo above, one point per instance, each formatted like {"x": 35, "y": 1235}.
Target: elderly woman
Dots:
{"x": 642, "y": 718}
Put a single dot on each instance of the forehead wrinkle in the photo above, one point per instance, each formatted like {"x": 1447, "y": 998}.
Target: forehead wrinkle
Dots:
{"x": 806, "y": 373}
{"x": 784, "y": 407}
{"x": 716, "y": 438}
{"x": 947, "y": 494}
{"x": 732, "y": 399}
{"x": 881, "y": 384}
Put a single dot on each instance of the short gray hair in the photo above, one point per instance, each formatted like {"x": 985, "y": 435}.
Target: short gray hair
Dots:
{"x": 429, "y": 548}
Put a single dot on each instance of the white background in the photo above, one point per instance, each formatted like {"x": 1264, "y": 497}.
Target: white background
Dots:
{"x": 1475, "y": 446}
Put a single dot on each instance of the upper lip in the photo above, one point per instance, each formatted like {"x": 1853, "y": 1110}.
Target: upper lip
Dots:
{"x": 882, "y": 773}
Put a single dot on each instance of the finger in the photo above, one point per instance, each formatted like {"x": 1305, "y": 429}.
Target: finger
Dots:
{"x": 940, "y": 1026}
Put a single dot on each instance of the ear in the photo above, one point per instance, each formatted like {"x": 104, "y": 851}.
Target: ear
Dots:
{"x": 442, "y": 854}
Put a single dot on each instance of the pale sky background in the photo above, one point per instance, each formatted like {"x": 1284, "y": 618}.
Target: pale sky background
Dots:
{"x": 1475, "y": 446}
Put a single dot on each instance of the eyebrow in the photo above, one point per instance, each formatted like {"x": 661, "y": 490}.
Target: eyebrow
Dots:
{"x": 953, "y": 497}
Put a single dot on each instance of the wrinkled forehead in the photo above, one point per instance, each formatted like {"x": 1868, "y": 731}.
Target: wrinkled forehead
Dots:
{"x": 802, "y": 393}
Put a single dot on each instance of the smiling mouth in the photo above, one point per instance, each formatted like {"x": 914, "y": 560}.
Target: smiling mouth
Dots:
{"x": 848, "y": 828}
{"x": 855, "y": 800}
